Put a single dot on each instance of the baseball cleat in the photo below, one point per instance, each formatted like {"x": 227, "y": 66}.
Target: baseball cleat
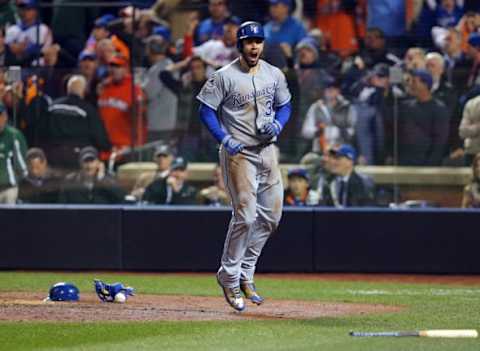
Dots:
{"x": 233, "y": 296}
{"x": 250, "y": 292}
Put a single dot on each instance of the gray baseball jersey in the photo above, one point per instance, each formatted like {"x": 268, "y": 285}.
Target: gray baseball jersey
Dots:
{"x": 245, "y": 102}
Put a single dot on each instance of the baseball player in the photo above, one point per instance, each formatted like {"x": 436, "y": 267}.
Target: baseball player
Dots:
{"x": 245, "y": 106}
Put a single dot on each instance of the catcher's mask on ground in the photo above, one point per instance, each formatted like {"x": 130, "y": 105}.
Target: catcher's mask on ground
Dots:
{"x": 63, "y": 292}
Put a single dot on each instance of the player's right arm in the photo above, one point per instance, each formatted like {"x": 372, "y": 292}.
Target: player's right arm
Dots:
{"x": 211, "y": 97}
{"x": 210, "y": 120}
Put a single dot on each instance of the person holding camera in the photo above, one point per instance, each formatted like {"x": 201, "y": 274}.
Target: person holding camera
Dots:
{"x": 173, "y": 189}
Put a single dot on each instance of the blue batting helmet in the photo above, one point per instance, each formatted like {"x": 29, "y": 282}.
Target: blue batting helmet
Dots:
{"x": 249, "y": 29}
{"x": 63, "y": 292}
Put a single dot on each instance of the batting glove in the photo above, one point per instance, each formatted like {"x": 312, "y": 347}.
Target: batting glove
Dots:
{"x": 272, "y": 129}
{"x": 232, "y": 146}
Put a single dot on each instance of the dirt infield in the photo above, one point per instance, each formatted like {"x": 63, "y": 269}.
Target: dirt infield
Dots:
{"x": 30, "y": 307}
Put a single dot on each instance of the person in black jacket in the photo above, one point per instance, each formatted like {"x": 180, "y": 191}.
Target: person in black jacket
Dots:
{"x": 90, "y": 185}
{"x": 71, "y": 124}
{"x": 347, "y": 188}
{"x": 172, "y": 190}
{"x": 41, "y": 185}
{"x": 423, "y": 125}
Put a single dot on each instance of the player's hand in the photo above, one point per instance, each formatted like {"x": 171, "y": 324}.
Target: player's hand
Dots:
{"x": 232, "y": 146}
{"x": 272, "y": 129}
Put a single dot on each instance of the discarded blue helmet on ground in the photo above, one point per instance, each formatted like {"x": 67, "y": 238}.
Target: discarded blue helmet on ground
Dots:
{"x": 63, "y": 292}
{"x": 108, "y": 292}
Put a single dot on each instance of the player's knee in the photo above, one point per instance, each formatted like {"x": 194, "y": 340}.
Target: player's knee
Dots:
{"x": 269, "y": 223}
{"x": 246, "y": 218}
{"x": 245, "y": 213}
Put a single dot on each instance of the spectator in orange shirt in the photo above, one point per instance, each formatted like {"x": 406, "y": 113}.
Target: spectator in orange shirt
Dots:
{"x": 122, "y": 116}
{"x": 338, "y": 27}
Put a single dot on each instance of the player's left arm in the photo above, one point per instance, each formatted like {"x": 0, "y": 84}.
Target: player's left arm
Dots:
{"x": 282, "y": 115}
{"x": 282, "y": 105}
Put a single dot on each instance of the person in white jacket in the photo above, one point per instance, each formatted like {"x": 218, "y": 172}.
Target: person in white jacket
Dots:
{"x": 330, "y": 121}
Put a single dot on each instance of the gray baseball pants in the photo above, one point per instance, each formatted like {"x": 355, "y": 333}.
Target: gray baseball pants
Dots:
{"x": 254, "y": 183}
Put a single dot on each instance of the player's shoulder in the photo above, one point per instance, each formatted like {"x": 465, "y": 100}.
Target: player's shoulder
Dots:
{"x": 232, "y": 66}
{"x": 274, "y": 70}
{"x": 226, "y": 71}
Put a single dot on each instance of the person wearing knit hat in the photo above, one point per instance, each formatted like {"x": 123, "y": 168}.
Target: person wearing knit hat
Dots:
{"x": 309, "y": 44}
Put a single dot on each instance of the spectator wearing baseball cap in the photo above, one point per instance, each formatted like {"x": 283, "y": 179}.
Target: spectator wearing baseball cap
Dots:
{"x": 347, "y": 188}
{"x": 90, "y": 184}
{"x": 423, "y": 76}
{"x": 27, "y": 38}
{"x": 423, "y": 125}
{"x": 163, "y": 31}
{"x": 163, "y": 157}
{"x": 174, "y": 189}
{"x": 212, "y": 26}
{"x": 344, "y": 150}
{"x": 101, "y": 31}
{"x": 283, "y": 28}
{"x": 87, "y": 66}
{"x": 116, "y": 102}
{"x": 86, "y": 55}
{"x": 298, "y": 191}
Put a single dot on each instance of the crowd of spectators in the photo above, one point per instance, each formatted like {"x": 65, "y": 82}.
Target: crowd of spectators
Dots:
{"x": 394, "y": 82}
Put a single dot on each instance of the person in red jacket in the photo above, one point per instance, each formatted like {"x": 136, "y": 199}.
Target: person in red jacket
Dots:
{"x": 122, "y": 111}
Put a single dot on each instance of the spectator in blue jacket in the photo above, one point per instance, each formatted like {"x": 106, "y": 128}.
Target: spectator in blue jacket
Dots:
{"x": 212, "y": 27}
{"x": 283, "y": 28}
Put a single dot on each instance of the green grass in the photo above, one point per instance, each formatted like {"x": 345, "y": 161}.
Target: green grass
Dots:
{"x": 426, "y": 307}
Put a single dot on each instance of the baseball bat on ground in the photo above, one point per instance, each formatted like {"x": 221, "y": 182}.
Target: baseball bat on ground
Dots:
{"x": 441, "y": 333}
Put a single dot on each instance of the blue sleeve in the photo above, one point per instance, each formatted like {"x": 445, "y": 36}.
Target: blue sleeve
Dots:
{"x": 301, "y": 33}
{"x": 282, "y": 114}
{"x": 209, "y": 118}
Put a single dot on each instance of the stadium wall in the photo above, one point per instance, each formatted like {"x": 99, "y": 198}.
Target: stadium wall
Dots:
{"x": 191, "y": 239}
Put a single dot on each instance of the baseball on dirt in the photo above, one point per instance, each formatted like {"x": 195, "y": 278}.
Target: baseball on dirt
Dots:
{"x": 120, "y": 297}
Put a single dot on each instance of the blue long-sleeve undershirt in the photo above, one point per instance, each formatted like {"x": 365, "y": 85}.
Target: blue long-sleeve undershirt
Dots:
{"x": 209, "y": 117}
{"x": 282, "y": 114}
